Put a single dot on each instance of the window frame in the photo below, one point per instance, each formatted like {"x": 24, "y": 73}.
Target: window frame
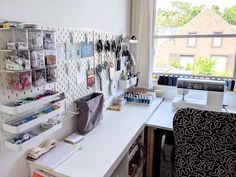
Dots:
{"x": 215, "y": 55}
{"x": 192, "y": 55}
{"x": 221, "y": 42}
{"x": 192, "y": 34}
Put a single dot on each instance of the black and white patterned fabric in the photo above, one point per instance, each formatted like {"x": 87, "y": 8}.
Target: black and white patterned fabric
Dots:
{"x": 205, "y": 143}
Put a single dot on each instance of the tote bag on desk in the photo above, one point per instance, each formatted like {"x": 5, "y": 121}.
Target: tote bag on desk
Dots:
{"x": 90, "y": 111}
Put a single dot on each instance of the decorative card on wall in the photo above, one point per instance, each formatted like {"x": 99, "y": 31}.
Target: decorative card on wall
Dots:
{"x": 37, "y": 59}
{"x": 87, "y": 49}
{"x": 35, "y": 39}
{"x": 50, "y": 57}
{"x": 17, "y": 60}
{"x": 51, "y": 74}
{"x": 90, "y": 77}
{"x": 39, "y": 77}
{"x": 73, "y": 51}
{"x": 49, "y": 40}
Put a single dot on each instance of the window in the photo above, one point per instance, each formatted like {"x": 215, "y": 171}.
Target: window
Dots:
{"x": 217, "y": 41}
{"x": 186, "y": 60}
{"x": 194, "y": 38}
{"x": 220, "y": 63}
{"x": 192, "y": 41}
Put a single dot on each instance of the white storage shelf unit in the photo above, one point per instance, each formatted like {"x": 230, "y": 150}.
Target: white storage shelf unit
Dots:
{"x": 38, "y": 44}
{"x": 34, "y": 140}
{"x": 26, "y": 126}
{"x": 11, "y": 112}
{"x": 10, "y": 108}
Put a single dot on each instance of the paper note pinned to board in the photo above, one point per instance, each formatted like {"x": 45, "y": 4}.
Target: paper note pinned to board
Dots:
{"x": 61, "y": 52}
{"x": 81, "y": 76}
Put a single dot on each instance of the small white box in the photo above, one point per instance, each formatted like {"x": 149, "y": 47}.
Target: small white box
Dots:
{"x": 124, "y": 84}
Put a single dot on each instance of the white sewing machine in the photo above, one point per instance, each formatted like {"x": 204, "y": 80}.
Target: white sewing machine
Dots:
{"x": 215, "y": 94}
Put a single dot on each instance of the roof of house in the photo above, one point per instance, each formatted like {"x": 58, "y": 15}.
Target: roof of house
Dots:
{"x": 209, "y": 20}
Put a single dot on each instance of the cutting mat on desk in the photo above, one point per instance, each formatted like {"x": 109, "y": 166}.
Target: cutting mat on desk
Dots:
{"x": 56, "y": 156}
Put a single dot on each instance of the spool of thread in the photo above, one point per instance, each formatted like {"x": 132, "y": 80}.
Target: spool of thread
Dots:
{"x": 170, "y": 80}
{"x": 166, "y": 78}
{"x": 174, "y": 83}
{"x": 232, "y": 86}
{"x": 229, "y": 85}
{"x": 161, "y": 80}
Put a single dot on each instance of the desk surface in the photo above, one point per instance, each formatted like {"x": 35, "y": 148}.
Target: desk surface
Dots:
{"x": 163, "y": 116}
{"x": 107, "y": 144}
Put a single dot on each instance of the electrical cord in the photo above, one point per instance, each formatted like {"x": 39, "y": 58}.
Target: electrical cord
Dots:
{"x": 224, "y": 107}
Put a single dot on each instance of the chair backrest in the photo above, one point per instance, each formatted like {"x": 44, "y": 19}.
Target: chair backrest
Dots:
{"x": 205, "y": 143}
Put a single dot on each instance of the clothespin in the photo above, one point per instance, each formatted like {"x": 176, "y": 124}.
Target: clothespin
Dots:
{"x": 72, "y": 36}
{"x": 86, "y": 38}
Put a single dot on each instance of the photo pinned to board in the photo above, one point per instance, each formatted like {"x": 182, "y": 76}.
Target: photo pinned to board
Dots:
{"x": 73, "y": 51}
{"x": 50, "y": 57}
{"x": 90, "y": 74}
{"x": 87, "y": 48}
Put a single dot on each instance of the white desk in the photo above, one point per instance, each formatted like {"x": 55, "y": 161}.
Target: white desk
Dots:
{"x": 163, "y": 116}
{"x": 106, "y": 145}
{"x": 162, "y": 119}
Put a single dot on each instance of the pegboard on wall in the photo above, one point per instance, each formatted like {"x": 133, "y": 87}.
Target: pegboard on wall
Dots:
{"x": 67, "y": 69}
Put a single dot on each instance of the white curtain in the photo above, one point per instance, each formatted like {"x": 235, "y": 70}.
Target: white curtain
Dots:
{"x": 142, "y": 26}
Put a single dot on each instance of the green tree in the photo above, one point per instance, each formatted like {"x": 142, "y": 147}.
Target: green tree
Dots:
{"x": 202, "y": 66}
{"x": 175, "y": 64}
{"x": 216, "y": 8}
{"x": 229, "y": 15}
{"x": 182, "y": 12}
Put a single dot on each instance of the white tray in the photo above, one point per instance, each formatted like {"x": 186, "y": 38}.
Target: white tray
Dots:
{"x": 28, "y": 144}
{"x": 125, "y": 84}
{"x": 30, "y": 124}
{"x": 8, "y": 108}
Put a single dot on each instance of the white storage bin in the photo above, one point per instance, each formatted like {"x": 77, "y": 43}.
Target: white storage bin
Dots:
{"x": 10, "y": 108}
{"x": 133, "y": 81}
{"x": 124, "y": 84}
{"x": 21, "y": 128}
{"x": 28, "y": 144}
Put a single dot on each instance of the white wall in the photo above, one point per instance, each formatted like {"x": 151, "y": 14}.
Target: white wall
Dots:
{"x": 105, "y": 15}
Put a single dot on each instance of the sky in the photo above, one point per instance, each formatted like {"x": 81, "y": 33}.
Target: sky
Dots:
{"x": 222, "y": 3}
